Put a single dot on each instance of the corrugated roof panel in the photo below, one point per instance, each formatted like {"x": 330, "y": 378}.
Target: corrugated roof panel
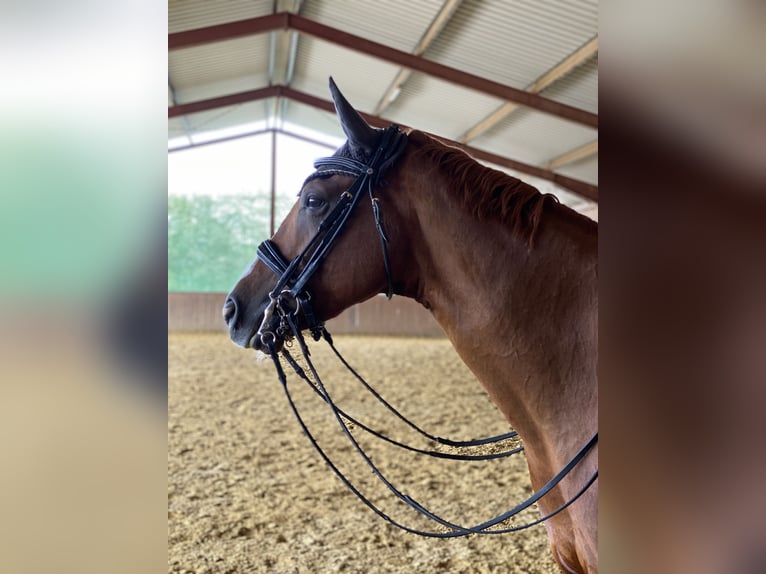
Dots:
{"x": 240, "y": 116}
{"x": 586, "y": 169}
{"x": 220, "y": 88}
{"x": 243, "y": 59}
{"x": 579, "y": 88}
{"x": 509, "y": 41}
{"x": 534, "y": 137}
{"x": 396, "y": 23}
{"x": 514, "y": 42}
{"x": 362, "y": 79}
{"x": 190, "y": 14}
{"x": 176, "y": 128}
{"x": 439, "y": 107}
{"x": 314, "y": 119}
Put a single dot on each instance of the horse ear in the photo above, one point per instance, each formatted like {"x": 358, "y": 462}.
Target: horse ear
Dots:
{"x": 358, "y": 132}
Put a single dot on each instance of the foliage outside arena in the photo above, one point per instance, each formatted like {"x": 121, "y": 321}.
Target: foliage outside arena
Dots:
{"x": 212, "y": 239}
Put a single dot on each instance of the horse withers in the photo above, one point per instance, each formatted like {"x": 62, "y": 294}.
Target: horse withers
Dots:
{"x": 508, "y": 272}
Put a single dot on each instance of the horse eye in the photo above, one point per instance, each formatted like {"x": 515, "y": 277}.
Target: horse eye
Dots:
{"x": 314, "y": 202}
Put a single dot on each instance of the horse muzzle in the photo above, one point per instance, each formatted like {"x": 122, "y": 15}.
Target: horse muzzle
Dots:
{"x": 247, "y": 323}
{"x": 267, "y": 325}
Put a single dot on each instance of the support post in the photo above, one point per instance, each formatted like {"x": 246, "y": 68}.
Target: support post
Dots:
{"x": 273, "y": 180}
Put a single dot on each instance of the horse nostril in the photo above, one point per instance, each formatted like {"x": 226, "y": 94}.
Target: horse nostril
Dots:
{"x": 229, "y": 310}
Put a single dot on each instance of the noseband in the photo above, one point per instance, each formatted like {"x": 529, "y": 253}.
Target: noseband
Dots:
{"x": 289, "y": 296}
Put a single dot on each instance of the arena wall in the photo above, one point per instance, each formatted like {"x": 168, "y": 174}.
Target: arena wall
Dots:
{"x": 201, "y": 312}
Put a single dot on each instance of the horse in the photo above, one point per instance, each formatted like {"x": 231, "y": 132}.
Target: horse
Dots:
{"x": 509, "y": 273}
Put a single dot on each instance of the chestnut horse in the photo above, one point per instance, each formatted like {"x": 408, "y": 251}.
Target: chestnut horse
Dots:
{"x": 508, "y": 272}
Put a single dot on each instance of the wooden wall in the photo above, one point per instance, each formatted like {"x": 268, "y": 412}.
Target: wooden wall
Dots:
{"x": 377, "y": 316}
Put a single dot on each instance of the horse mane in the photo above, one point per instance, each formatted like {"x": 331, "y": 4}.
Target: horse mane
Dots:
{"x": 488, "y": 194}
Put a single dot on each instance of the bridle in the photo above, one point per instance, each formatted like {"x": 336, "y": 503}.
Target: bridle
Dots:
{"x": 290, "y": 294}
{"x": 289, "y": 299}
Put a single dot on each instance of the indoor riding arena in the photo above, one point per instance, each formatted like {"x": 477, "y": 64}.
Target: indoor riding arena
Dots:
{"x": 515, "y": 85}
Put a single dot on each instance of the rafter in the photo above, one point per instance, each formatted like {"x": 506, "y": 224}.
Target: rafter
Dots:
{"x": 223, "y": 101}
{"x": 286, "y": 20}
{"x": 572, "y": 156}
{"x": 579, "y": 187}
{"x": 224, "y": 139}
{"x": 583, "y": 53}
{"x": 292, "y": 56}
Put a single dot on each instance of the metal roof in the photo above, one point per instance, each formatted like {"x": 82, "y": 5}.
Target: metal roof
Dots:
{"x": 190, "y": 14}
{"x": 579, "y": 88}
{"x": 515, "y": 80}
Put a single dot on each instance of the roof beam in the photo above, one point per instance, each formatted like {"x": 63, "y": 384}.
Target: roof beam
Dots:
{"x": 251, "y": 134}
{"x": 446, "y": 12}
{"x": 228, "y": 31}
{"x": 293, "y": 51}
{"x": 223, "y": 101}
{"x": 224, "y": 139}
{"x": 572, "y": 156}
{"x": 286, "y": 20}
{"x": 558, "y": 71}
{"x": 440, "y": 71}
{"x": 581, "y": 188}
{"x": 291, "y": 59}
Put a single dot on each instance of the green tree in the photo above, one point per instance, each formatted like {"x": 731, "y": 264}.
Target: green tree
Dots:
{"x": 212, "y": 240}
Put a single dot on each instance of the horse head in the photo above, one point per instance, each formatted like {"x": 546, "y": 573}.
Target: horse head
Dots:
{"x": 330, "y": 242}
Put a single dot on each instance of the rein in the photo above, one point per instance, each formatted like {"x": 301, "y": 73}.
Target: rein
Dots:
{"x": 342, "y": 417}
{"x": 289, "y": 299}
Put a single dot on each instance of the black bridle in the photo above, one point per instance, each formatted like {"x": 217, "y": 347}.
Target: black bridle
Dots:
{"x": 289, "y": 299}
{"x": 290, "y": 294}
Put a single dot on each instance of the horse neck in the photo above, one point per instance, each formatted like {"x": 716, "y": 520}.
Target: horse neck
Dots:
{"x": 523, "y": 319}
